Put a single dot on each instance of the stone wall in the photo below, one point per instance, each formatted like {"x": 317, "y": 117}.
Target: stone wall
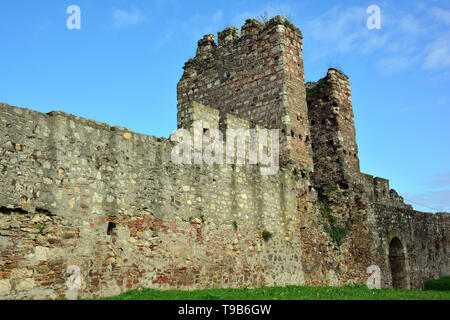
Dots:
{"x": 424, "y": 239}
{"x": 77, "y": 192}
{"x": 377, "y": 190}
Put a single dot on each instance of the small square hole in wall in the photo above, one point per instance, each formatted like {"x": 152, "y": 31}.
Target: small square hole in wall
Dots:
{"x": 111, "y": 228}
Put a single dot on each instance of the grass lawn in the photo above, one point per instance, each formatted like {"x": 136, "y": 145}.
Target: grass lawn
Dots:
{"x": 434, "y": 290}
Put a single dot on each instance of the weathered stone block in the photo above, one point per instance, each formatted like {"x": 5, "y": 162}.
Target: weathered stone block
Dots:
{"x": 25, "y": 285}
{"x": 5, "y": 287}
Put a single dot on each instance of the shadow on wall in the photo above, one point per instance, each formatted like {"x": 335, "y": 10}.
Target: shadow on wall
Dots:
{"x": 397, "y": 264}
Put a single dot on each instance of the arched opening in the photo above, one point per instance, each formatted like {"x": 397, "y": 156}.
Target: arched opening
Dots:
{"x": 397, "y": 263}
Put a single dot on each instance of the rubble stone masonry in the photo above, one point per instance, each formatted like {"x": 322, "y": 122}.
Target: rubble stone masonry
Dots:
{"x": 76, "y": 192}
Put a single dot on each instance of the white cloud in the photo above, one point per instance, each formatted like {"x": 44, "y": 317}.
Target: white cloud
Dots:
{"x": 437, "y": 201}
{"x": 343, "y": 30}
{"x": 124, "y": 18}
{"x": 436, "y": 197}
{"x": 441, "y": 15}
{"x": 438, "y": 53}
{"x": 396, "y": 63}
{"x": 443, "y": 180}
{"x": 410, "y": 25}
{"x": 408, "y": 38}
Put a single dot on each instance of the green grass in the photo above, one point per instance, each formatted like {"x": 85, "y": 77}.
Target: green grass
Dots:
{"x": 356, "y": 292}
{"x": 337, "y": 233}
{"x": 291, "y": 26}
{"x": 442, "y": 284}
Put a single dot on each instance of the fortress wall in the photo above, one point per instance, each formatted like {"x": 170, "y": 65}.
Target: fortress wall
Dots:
{"x": 367, "y": 184}
{"x": 77, "y": 192}
{"x": 377, "y": 190}
{"x": 425, "y": 240}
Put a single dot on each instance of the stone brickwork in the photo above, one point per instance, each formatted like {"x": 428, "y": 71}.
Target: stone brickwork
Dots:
{"x": 111, "y": 202}
{"x": 377, "y": 190}
{"x": 424, "y": 242}
{"x": 257, "y": 77}
{"x": 118, "y": 208}
{"x": 194, "y": 111}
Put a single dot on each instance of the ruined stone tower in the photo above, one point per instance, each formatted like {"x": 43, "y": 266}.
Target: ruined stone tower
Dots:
{"x": 258, "y": 77}
{"x": 332, "y": 127}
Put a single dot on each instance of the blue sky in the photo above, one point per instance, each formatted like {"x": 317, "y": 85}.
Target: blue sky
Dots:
{"x": 123, "y": 65}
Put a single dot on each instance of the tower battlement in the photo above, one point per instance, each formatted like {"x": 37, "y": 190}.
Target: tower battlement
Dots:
{"x": 257, "y": 76}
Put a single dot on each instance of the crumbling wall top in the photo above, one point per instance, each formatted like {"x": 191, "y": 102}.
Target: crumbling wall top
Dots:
{"x": 228, "y": 35}
{"x": 199, "y": 112}
{"x": 252, "y": 29}
{"x": 206, "y": 44}
{"x": 251, "y": 26}
{"x": 378, "y": 191}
